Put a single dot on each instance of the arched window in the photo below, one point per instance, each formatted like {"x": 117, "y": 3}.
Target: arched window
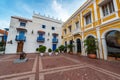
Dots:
{"x": 113, "y": 43}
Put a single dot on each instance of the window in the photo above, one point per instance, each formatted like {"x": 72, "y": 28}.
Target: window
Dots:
{"x": 65, "y": 31}
{"x": 43, "y": 26}
{"x": 0, "y": 38}
{"x": 108, "y": 8}
{"x": 53, "y": 28}
{"x": 21, "y": 33}
{"x": 77, "y": 25}
{"x": 41, "y": 36}
{"x": 48, "y": 34}
{"x": 22, "y": 24}
{"x": 88, "y": 18}
{"x": 69, "y": 28}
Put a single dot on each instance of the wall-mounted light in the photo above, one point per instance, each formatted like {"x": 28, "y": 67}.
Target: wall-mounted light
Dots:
{"x": 32, "y": 32}
{"x": 10, "y": 42}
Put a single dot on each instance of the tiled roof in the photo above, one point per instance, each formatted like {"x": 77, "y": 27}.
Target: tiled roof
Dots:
{"x": 3, "y": 31}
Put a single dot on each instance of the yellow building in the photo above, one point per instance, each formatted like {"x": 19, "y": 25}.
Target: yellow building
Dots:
{"x": 95, "y": 18}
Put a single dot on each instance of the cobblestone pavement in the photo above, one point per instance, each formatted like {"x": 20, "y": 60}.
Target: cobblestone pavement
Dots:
{"x": 60, "y": 67}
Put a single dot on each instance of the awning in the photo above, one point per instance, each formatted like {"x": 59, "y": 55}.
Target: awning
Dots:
{"x": 21, "y": 29}
{"x": 55, "y": 34}
{"x": 40, "y": 31}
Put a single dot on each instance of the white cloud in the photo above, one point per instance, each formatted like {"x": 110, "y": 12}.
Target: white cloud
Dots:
{"x": 60, "y": 11}
{"x": 24, "y": 7}
{"x": 4, "y": 24}
{"x": 27, "y": 8}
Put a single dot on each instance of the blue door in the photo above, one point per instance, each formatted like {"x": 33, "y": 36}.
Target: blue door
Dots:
{"x": 21, "y": 34}
{"x": 54, "y": 47}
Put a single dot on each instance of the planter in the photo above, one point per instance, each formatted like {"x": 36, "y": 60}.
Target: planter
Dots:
{"x": 1, "y": 52}
{"x": 92, "y": 56}
{"x": 50, "y": 53}
{"x": 62, "y": 52}
{"x": 70, "y": 53}
{"x": 56, "y": 53}
{"x": 41, "y": 54}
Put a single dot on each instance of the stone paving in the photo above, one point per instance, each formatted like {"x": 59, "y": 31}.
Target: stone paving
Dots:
{"x": 60, "y": 67}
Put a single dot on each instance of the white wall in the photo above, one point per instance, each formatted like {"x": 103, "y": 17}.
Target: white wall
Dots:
{"x": 31, "y": 43}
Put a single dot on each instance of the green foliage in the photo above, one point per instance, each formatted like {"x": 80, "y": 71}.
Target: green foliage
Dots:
{"x": 36, "y": 49}
{"x": 1, "y": 43}
{"x": 42, "y": 49}
{"x": 49, "y": 50}
{"x": 70, "y": 46}
{"x": 2, "y": 46}
{"x": 2, "y": 49}
{"x": 56, "y": 50}
{"x": 91, "y": 45}
{"x": 61, "y": 48}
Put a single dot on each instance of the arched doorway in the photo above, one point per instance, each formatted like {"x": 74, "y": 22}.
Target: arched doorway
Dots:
{"x": 78, "y": 45}
{"x": 113, "y": 43}
{"x": 92, "y": 44}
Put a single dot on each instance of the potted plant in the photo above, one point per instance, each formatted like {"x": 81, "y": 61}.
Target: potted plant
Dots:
{"x": 91, "y": 47}
{"x": 56, "y": 51}
{"x": 37, "y": 50}
{"x": 50, "y": 51}
{"x": 61, "y": 48}
{"x": 42, "y": 50}
{"x": 70, "y": 47}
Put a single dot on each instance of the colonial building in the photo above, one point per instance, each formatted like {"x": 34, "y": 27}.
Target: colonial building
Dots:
{"x": 99, "y": 19}
{"x": 3, "y": 35}
{"x": 28, "y": 34}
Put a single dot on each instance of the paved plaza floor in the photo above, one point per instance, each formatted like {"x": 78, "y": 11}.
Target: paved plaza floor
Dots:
{"x": 60, "y": 67}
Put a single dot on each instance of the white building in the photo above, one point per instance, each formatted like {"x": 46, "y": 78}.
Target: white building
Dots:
{"x": 28, "y": 34}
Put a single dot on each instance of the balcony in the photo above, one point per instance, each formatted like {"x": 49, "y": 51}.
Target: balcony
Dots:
{"x": 21, "y": 29}
{"x": 20, "y": 38}
{"x": 54, "y": 40}
{"x": 40, "y": 39}
{"x": 76, "y": 32}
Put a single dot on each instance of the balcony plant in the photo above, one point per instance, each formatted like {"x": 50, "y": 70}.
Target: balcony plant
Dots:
{"x": 50, "y": 51}
{"x": 56, "y": 51}
{"x": 61, "y": 48}
{"x": 91, "y": 47}
{"x": 70, "y": 47}
{"x": 42, "y": 50}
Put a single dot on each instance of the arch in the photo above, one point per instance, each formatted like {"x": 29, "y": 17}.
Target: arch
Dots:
{"x": 105, "y": 32}
{"x": 104, "y": 45}
{"x": 89, "y": 35}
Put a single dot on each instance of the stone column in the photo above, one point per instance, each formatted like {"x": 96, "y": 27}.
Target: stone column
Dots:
{"x": 104, "y": 48}
{"x": 99, "y": 54}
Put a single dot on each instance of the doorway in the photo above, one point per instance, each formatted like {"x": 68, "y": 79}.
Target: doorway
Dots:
{"x": 20, "y": 46}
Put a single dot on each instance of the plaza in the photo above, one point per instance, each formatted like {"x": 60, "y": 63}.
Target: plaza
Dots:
{"x": 60, "y": 67}
{"x": 84, "y": 47}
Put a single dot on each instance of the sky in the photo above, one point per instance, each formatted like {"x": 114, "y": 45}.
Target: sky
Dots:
{"x": 59, "y": 9}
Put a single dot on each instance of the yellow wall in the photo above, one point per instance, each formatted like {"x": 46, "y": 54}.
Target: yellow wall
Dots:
{"x": 94, "y": 24}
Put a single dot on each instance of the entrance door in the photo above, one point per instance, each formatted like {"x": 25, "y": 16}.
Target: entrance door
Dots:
{"x": 78, "y": 46}
{"x": 54, "y": 47}
{"x": 20, "y": 46}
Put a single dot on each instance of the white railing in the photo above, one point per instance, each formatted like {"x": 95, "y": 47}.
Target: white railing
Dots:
{"x": 76, "y": 31}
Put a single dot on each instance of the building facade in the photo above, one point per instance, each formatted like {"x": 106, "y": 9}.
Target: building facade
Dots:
{"x": 3, "y": 35}
{"x": 28, "y": 34}
{"x": 99, "y": 19}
